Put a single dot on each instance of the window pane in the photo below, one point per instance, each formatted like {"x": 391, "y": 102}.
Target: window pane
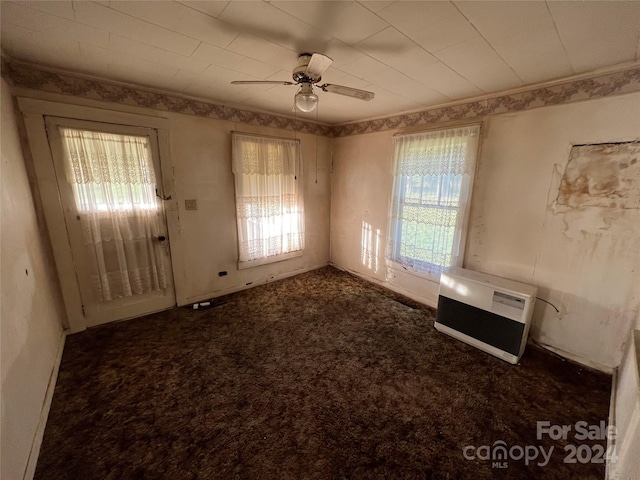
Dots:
{"x": 269, "y": 202}
{"x": 432, "y": 177}
{"x": 109, "y": 171}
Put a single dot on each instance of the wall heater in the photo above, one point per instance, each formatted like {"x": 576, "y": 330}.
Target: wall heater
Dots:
{"x": 488, "y": 312}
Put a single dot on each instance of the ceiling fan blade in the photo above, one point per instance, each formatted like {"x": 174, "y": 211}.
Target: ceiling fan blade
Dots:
{"x": 261, "y": 82}
{"x": 348, "y": 91}
{"x": 317, "y": 66}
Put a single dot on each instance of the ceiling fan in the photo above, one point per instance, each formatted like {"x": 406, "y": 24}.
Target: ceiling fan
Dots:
{"x": 308, "y": 73}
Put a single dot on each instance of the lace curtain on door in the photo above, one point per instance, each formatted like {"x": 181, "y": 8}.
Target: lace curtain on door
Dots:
{"x": 433, "y": 172}
{"x": 114, "y": 188}
{"x": 269, "y": 201}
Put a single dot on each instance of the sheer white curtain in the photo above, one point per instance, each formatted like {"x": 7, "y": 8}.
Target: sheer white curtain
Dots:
{"x": 433, "y": 173}
{"x": 269, "y": 197}
{"x": 113, "y": 183}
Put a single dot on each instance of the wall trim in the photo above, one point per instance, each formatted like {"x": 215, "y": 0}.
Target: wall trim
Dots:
{"x": 388, "y": 286}
{"x": 616, "y": 80}
{"x": 570, "y": 90}
{"x": 238, "y": 288}
{"x": 32, "y": 462}
{"x": 25, "y": 75}
{"x": 576, "y": 358}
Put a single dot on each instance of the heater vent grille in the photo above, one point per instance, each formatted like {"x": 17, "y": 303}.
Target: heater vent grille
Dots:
{"x": 488, "y": 312}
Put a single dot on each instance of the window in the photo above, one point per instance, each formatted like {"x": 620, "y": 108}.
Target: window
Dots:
{"x": 269, "y": 199}
{"x": 433, "y": 174}
{"x": 109, "y": 171}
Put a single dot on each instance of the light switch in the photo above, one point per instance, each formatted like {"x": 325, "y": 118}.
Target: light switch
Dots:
{"x": 190, "y": 205}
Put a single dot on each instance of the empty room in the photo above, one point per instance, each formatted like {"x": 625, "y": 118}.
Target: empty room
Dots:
{"x": 320, "y": 239}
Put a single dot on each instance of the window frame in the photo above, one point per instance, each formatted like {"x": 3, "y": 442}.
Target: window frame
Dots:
{"x": 245, "y": 264}
{"x": 405, "y": 263}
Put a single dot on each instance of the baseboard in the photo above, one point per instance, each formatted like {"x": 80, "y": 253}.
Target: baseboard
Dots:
{"x": 239, "y": 288}
{"x": 574, "y": 358}
{"x": 44, "y": 413}
{"x": 388, "y": 286}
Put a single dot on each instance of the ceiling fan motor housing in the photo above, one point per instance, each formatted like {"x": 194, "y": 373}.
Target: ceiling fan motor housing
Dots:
{"x": 299, "y": 74}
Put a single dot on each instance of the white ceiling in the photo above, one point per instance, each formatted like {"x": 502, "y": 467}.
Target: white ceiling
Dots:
{"x": 412, "y": 54}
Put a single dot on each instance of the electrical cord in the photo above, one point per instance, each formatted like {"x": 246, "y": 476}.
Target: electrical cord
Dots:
{"x": 545, "y": 301}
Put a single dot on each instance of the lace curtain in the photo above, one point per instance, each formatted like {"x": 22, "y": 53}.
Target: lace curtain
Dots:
{"x": 269, "y": 197}
{"x": 114, "y": 188}
{"x": 433, "y": 173}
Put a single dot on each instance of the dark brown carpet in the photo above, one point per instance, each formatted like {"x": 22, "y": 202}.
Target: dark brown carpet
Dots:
{"x": 319, "y": 376}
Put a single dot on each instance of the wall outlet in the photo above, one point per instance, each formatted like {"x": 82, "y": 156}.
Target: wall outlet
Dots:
{"x": 190, "y": 204}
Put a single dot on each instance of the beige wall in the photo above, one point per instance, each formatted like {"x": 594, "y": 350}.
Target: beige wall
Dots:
{"x": 585, "y": 261}
{"x": 204, "y": 241}
{"x": 31, "y": 314}
{"x": 201, "y": 155}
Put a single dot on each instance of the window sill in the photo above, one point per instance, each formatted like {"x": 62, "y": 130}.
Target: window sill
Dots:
{"x": 268, "y": 260}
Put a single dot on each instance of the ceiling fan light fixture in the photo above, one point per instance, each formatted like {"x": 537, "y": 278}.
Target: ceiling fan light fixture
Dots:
{"x": 305, "y": 99}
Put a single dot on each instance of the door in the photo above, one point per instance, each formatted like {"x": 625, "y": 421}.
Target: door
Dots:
{"x": 110, "y": 186}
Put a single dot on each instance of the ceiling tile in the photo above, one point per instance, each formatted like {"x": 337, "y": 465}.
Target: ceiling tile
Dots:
{"x": 152, "y": 73}
{"x": 142, "y": 50}
{"x": 340, "y": 52}
{"x": 445, "y": 33}
{"x": 536, "y": 55}
{"x": 375, "y": 5}
{"x": 338, "y": 77}
{"x": 210, "y": 7}
{"x": 90, "y": 13}
{"x": 347, "y": 21}
{"x": 395, "y": 50}
{"x": 476, "y": 61}
{"x": 256, "y": 48}
{"x": 263, "y": 20}
{"x": 402, "y": 85}
{"x": 412, "y": 17}
{"x": 597, "y": 34}
{"x": 145, "y": 76}
{"x": 286, "y": 61}
{"x": 159, "y": 12}
{"x": 363, "y": 67}
{"x": 255, "y": 68}
{"x": 54, "y": 7}
{"x": 216, "y": 55}
{"x": 40, "y": 21}
{"x": 182, "y": 79}
{"x": 500, "y": 19}
{"x": 166, "y": 39}
{"x": 20, "y": 42}
{"x": 206, "y": 28}
{"x": 442, "y": 79}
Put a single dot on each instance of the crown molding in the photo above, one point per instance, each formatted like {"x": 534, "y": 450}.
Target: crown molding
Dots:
{"x": 615, "y": 81}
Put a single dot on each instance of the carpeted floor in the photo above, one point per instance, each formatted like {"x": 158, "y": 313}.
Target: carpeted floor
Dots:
{"x": 319, "y": 376}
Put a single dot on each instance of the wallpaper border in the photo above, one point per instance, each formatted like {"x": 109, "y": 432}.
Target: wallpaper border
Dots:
{"x": 626, "y": 81}
{"x": 573, "y": 90}
{"x": 33, "y": 77}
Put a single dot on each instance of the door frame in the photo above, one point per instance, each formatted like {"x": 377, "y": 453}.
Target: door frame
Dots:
{"x": 34, "y": 113}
